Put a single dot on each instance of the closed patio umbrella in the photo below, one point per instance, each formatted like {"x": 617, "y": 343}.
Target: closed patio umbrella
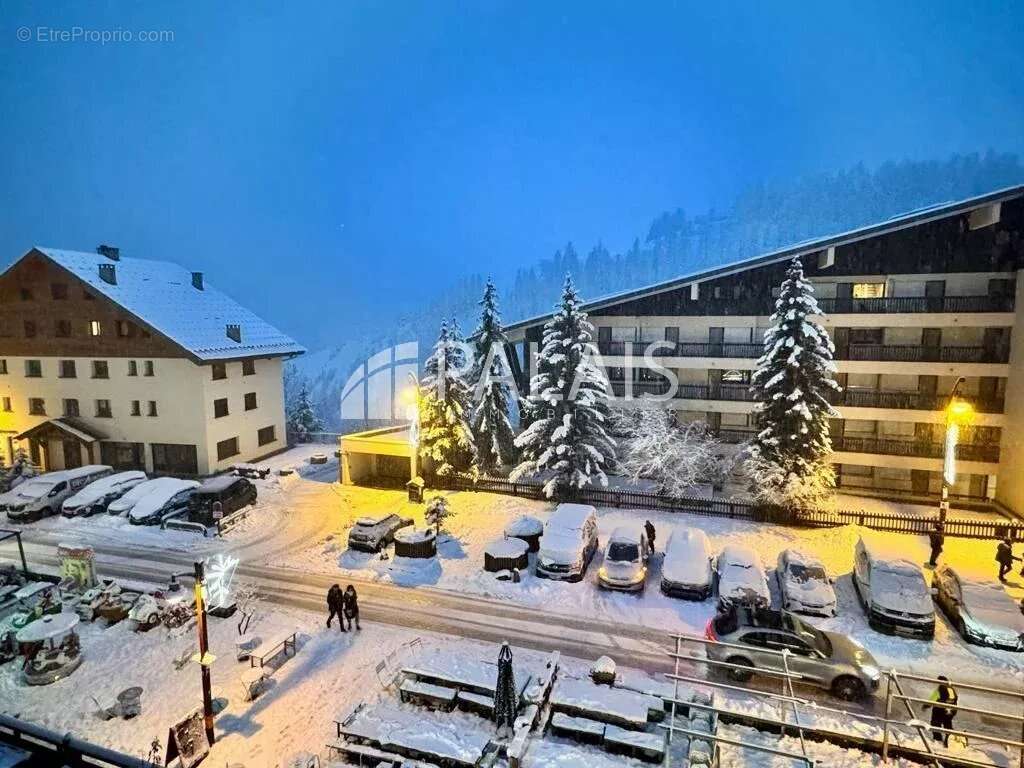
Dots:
{"x": 505, "y": 703}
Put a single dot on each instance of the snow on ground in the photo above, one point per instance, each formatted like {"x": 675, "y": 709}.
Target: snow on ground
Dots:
{"x": 479, "y": 518}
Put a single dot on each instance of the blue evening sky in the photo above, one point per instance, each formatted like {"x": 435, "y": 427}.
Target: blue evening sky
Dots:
{"x": 324, "y": 162}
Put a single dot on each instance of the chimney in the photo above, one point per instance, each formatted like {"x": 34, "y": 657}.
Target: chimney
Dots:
{"x": 197, "y": 280}
{"x": 107, "y": 274}
{"x": 112, "y": 253}
{"x": 234, "y": 332}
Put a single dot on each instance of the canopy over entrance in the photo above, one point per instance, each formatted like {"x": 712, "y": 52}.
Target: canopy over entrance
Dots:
{"x": 70, "y": 438}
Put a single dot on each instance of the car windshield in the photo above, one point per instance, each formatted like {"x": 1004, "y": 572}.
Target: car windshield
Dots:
{"x": 623, "y": 552}
{"x": 36, "y": 490}
{"x": 804, "y": 573}
{"x": 813, "y": 637}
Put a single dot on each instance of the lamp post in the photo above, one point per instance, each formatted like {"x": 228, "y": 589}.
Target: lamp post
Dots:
{"x": 412, "y": 413}
{"x": 959, "y": 413}
{"x": 204, "y": 657}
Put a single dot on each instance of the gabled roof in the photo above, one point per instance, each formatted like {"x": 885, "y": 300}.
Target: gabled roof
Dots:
{"x": 161, "y": 295}
{"x": 901, "y": 221}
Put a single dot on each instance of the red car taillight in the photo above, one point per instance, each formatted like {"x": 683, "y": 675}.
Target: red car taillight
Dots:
{"x": 709, "y": 630}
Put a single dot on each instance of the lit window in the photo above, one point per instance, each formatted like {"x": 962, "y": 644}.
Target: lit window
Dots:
{"x": 94, "y": 328}
{"x": 869, "y": 290}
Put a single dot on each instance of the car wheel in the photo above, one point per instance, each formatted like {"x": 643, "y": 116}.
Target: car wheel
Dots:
{"x": 739, "y": 675}
{"x": 848, "y": 688}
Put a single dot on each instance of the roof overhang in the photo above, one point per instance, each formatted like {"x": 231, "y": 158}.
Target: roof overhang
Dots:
{"x": 61, "y": 428}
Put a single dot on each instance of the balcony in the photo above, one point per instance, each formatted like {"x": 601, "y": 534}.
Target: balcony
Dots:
{"x": 915, "y": 353}
{"x": 680, "y": 349}
{"x": 729, "y": 392}
{"x": 891, "y": 446}
{"x": 898, "y": 304}
{"x": 920, "y": 401}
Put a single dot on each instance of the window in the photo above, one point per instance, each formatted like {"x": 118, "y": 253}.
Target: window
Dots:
{"x": 3, "y": 365}
{"x": 7, "y": 404}
{"x": 59, "y": 291}
{"x": 227, "y": 448}
{"x": 868, "y": 290}
{"x": 71, "y": 407}
{"x": 37, "y": 406}
{"x": 124, "y": 328}
{"x": 266, "y": 435}
{"x": 30, "y": 329}
{"x": 136, "y": 409}
{"x": 220, "y": 371}
{"x": 94, "y": 328}
{"x": 67, "y": 369}
{"x": 33, "y": 369}
{"x": 220, "y": 407}
{"x": 152, "y": 408}
{"x": 248, "y": 367}
{"x": 133, "y": 368}
{"x": 62, "y": 329}
{"x": 103, "y": 409}
{"x": 250, "y": 401}
{"x": 26, "y": 294}
{"x": 100, "y": 370}
{"x": 866, "y": 335}
{"x": 147, "y": 368}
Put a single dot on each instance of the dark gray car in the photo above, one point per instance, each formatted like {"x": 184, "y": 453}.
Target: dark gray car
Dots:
{"x": 371, "y": 534}
{"x": 825, "y": 659}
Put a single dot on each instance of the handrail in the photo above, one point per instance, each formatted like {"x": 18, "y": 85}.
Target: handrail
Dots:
{"x": 65, "y": 744}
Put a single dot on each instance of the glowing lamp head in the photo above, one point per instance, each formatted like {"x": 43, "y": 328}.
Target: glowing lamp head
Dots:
{"x": 960, "y": 412}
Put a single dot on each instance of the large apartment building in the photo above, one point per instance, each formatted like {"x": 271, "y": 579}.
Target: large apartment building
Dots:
{"x": 134, "y": 363}
{"x": 912, "y": 304}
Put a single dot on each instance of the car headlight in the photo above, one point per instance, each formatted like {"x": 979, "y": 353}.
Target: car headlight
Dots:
{"x": 871, "y": 671}
{"x": 602, "y": 572}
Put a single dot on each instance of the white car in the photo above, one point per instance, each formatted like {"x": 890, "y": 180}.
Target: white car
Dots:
{"x": 166, "y": 496}
{"x": 130, "y": 499}
{"x": 97, "y": 495}
{"x": 625, "y": 560}
{"x": 892, "y": 589}
{"x": 979, "y": 607}
{"x": 804, "y": 584}
{"x": 741, "y": 579}
{"x": 568, "y": 544}
{"x": 43, "y": 495}
{"x": 687, "y": 569}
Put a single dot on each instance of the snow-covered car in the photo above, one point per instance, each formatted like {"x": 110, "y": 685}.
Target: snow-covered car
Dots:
{"x": 980, "y": 609}
{"x": 372, "y": 534}
{"x": 804, "y": 584}
{"x": 740, "y": 579}
{"x": 95, "y": 497}
{"x": 892, "y": 591}
{"x": 43, "y": 496}
{"x": 127, "y": 501}
{"x": 687, "y": 568}
{"x": 569, "y": 542}
{"x": 625, "y": 560}
{"x": 229, "y": 491}
{"x": 827, "y": 659}
{"x": 167, "y": 496}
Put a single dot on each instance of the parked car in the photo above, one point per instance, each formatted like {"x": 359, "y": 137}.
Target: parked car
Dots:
{"x": 740, "y": 579}
{"x": 804, "y": 584}
{"x": 167, "y": 496}
{"x": 625, "y": 560}
{"x": 130, "y": 499}
{"x": 372, "y": 534}
{"x": 980, "y": 609}
{"x": 95, "y": 497}
{"x": 568, "y": 544}
{"x": 826, "y": 659}
{"x": 892, "y": 591}
{"x": 43, "y": 496}
{"x": 230, "y": 491}
{"x": 687, "y": 569}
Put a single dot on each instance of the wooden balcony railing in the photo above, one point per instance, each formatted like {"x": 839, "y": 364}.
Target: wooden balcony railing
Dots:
{"x": 918, "y": 448}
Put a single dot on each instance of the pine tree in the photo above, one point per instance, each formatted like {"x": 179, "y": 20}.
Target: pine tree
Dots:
{"x": 792, "y": 382}
{"x": 438, "y": 510}
{"x": 445, "y": 436}
{"x": 492, "y": 430}
{"x": 567, "y": 406}
{"x": 303, "y": 420}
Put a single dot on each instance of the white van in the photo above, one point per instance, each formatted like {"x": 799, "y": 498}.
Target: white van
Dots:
{"x": 43, "y": 496}
{"x": 569, "y": 542}
{"x": 892, "y": 591}
{"x": 96, "y": 496}
{"x": 687, "y": 568}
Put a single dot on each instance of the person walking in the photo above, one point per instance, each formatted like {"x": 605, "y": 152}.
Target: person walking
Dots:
{"x": 351, "y": 606}
{"x": 649, "y": 530}
{"x": 944, "y": 701}
{"x": 936, "y": 540}
{"x": 1005, "y": 558}
{"x": 336, "y": 605}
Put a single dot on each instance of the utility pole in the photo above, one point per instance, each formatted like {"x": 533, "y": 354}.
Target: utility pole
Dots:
{"x": 205, "y": 658}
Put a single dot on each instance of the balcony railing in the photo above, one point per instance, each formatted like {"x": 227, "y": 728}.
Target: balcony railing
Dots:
{"x": 680, "y": 349}
{"x": 918, "y": 448}
{"x": 896, "y": 304}
{"x": 871, "y": 398}
{"x": 729, "y": 392}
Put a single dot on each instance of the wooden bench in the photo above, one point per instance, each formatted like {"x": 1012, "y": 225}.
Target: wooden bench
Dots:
{"x": 639, "y": 744}
{"x": 475, "y": 702}
{"x": 269, "y": 649}
{"x": 427, "y": 694}
{"x": 362, "y": 754}
{"x": 578, "y": 728}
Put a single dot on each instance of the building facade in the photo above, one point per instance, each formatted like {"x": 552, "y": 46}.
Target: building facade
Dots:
{"x": 134, "y": 363}
{"x": 913, "y": 305}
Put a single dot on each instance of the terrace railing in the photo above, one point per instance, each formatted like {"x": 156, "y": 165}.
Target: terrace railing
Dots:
{"x": 899, "y": 304}
{"x": 900, "y": 353}
{"x": 919, "y": 448}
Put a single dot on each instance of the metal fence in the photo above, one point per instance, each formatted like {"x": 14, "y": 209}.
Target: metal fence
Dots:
{"x": 996, "y": 528}
{"x": 52, "y": 748}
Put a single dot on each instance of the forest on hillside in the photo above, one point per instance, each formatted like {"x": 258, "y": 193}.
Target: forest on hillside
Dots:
{"x": 764, "y": 217}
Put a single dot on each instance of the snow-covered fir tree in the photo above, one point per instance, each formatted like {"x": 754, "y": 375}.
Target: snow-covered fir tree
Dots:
{"x": 444, "y": 402}
{"x": 303, "y": 421}
{"x": 492, "y": 430}
{"x": 568, "y": 406}
{"x": 438, "y": 510}
{"x": 794, "y": 377}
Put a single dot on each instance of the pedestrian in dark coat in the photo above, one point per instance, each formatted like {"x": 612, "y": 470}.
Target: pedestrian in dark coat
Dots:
{"x": 336, "y": 605}
{"x": 649, "y": 530}
{"x": 936, "y": 540}
{"x": 943, "y": 707}
{"x": 1005, "y": 558}
{"x": 351, "y": 606}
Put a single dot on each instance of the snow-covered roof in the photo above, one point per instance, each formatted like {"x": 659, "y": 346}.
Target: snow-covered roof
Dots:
{"x": 161, "y": 294}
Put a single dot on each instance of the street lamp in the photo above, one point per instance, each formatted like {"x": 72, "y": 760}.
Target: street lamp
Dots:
{"x": 411, "y": 396}
{"x": 204, "y": 657}
{"x": 959, "y": 413}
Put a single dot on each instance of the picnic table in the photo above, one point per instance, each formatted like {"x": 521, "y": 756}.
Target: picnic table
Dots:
{"x": 646, "y": 746}
{"x": 435, "y": 696}
{"x": 578, "y": 728}
{"x": 268, "y": 649}
{"x": 478, "y": 677}
{"x": 614, "y": 706}
{"x": 475, "y": 702}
